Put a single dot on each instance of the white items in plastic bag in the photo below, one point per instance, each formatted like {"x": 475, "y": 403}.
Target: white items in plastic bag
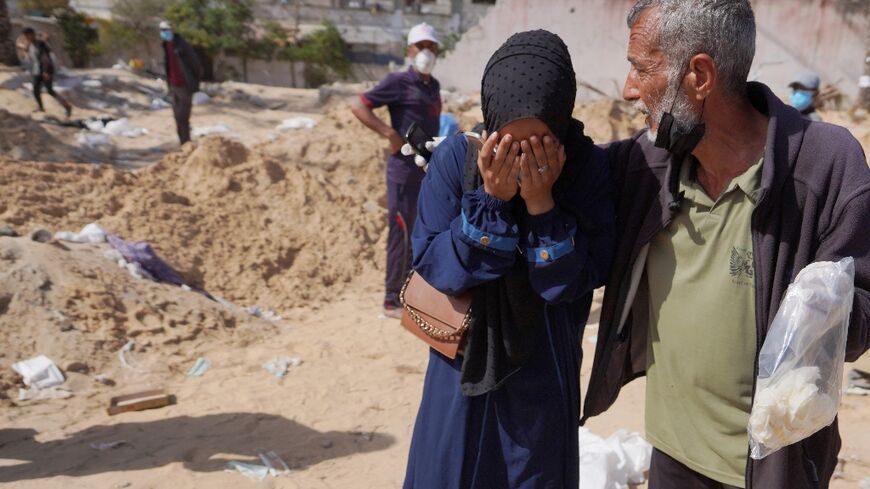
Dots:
{"x": 39, "y": 372}
{"x": 91, "y": 233}
{"x": 613, "y": 463}
{"x": 800, "y": 367}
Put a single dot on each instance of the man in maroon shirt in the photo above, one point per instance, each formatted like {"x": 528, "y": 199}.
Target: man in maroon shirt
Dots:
{"x": 183, "y": 72}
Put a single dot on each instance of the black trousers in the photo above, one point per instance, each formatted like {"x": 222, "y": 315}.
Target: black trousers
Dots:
{"x": 667, "y": 473}
{"x": 182, "y": 101}
{"x": 38, "y": 83}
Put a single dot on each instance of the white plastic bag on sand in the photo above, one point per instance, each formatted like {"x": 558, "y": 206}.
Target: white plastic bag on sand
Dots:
{"x": 296, "y": 123}
{"x": 211, "y": 130}
{"x": 93, "y": 140}
{"x": 200, "y": 98}
{"x": 800, "y": 367}
{"x": 123, "y": 127}
{"x": 39, "y": 372}
{"x": 252, "y": 471}
{"x": 612, "y": 463}
{"x": 158, "y": 103}
{"x": 92, "y": 233}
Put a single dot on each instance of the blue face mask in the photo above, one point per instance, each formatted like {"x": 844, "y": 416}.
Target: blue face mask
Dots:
{"x": 166, "y": 35}
{"x": 801, "y": 99}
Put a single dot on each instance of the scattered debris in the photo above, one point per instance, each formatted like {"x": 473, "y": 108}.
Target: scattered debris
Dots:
{"x": 213, "y": 130}
{"x": 139, "y": 401}
{"x": 199, "y": 368}
{"x": 123, "y": 127}
{"x": 91, "y": 233}
{"x": 37, "y": 394}
{"x": 108, "y": 445}
{"x": 93, "y": 140}
{"x": 262, "y": 313}
{"x": 141, "y": 253}
{"x": 252, "y": 471}
{"x": 127, "y": 348}
{"x": 134, "y": 269}
{"x": 621, "y": 459}
{"x": 104, "y": 379}
{"x": 41, "y": 236}
{"x": 296, "y": 123}
{"x": 8, "y": 231}
{"x": 277, "y": 466}
{"x": 159, "y": 103}
{"x": 279, "y": 366}
{"x": 200, "y": 98}
{"x": 39, "y": 372}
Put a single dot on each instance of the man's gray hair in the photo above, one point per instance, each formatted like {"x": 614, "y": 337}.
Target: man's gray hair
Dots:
{"x": 723, "y": 29}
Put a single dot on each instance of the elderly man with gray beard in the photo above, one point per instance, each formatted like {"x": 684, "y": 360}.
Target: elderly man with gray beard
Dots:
{"x": 725, "y": 197}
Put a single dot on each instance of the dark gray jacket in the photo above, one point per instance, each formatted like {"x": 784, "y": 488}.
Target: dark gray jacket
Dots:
{"x": 814, "y": 205}
{"x": 187, "y": 58}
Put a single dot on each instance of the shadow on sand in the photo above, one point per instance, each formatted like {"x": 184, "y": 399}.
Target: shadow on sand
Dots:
{"x": 202, "y": 444}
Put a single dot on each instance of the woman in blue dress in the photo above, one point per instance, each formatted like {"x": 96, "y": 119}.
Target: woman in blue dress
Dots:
{"x": 527, "y": 225}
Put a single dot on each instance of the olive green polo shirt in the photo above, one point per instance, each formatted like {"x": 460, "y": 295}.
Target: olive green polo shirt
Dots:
{"x": 701, "y": 353}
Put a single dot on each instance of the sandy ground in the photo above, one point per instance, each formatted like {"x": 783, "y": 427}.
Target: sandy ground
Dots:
{"x": 341, "y": 419}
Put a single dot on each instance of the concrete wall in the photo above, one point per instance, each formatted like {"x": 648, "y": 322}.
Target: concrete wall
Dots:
{"x": 822, "y": 35}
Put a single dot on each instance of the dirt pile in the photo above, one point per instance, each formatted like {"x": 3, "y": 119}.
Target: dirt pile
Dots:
{"x": 279, "y": 225}
{"x": 22, "y": 138}
{"x": 75, "y": 305}
{"x": 609, "y": 120}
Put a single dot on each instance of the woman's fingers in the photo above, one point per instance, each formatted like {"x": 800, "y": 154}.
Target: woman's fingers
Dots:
{"x": 484, "y": 158}
{"x": 501, "y": 152}
{"x": 509, "y": 160}
{"x": 538, "y": 151}
{"x": 551, "y": 148}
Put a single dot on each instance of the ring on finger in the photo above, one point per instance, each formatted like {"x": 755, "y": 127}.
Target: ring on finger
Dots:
{"x": 542, "y": 169}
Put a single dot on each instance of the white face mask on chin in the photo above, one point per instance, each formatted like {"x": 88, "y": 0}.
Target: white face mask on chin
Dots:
{"x": 424, "y": 62}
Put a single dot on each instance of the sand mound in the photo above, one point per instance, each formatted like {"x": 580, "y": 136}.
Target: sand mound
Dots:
{"x": 278, "y": 225}
{"x": 72, "y": 303}
{"x": 23, "y": 138}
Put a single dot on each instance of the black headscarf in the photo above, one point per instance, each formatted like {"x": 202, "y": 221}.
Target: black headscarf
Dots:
{"x": 530, "y": 76}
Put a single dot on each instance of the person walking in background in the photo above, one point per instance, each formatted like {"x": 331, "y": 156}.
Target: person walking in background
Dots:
{"x": 40, "y": 62}
{"x": 412, "y": 96}
{"x": 804, "y": 94}
{"x": 528, "y": 230}
{"x": 183, "y": 73}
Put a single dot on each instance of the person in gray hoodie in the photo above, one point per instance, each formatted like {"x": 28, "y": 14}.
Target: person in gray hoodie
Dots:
{"x": 725, "y": 197}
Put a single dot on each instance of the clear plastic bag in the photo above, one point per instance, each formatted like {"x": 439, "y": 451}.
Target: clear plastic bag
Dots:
{"x": 800, "y": 367}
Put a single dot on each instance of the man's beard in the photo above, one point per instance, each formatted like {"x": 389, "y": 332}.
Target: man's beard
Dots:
{"x": 685, "y": 117}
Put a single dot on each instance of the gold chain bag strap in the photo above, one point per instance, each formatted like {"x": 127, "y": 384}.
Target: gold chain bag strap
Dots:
{"x": 438, "y": 319}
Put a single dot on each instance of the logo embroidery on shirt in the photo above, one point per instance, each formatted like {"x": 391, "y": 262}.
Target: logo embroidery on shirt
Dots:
{"x": 742, "y": 265}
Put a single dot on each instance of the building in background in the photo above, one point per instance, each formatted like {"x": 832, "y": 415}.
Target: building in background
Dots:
{"x": 374, "y": 29}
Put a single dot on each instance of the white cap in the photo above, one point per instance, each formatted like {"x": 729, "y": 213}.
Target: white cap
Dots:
{"x": 422, "y": 32}
{"x": 165, "y": 25}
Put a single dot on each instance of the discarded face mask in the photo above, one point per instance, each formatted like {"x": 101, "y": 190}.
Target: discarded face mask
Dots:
{"x": 199, "y": 368}
{"x": 279, "y": 366}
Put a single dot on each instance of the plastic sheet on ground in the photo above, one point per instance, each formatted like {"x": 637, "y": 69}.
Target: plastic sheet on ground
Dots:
{"x": 93, "y": 140}
{"x": 108, "y": 445}
{"x": 91, "y": 233}
{"x": 158, "y": 103}
{"x": 39, "y": 372}
{"x": 141, "y": 252}
{"x": 251, "y": 471}
{"x": 134, "y": 269}
{"x": 621, "y": 459}
{"x": 279, "y": 366}
{"x": 123, "y": 127}
{"x": 200, "y": 98}
{"x": 296, "y": 123}
{"x": 92, "y": 84}
{"x": 217, "y": 129}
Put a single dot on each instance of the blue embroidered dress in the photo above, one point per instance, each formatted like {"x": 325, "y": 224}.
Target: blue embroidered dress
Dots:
{"x": 523, "y": 435}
